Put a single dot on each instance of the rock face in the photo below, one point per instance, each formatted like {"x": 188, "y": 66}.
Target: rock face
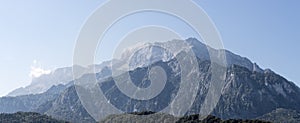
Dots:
{"x": 246, "y": 94}
{"x": 250, "y": 94}
{"x": 67, "y": 107}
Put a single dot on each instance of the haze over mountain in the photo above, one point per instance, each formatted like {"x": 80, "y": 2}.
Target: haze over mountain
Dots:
{"x": 59, "y": 76}
{"x": 249, "y": 92}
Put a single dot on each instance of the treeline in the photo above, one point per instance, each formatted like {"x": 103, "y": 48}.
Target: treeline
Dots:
{"x": 28, "y": 117}
{"x": 213, "y": 119}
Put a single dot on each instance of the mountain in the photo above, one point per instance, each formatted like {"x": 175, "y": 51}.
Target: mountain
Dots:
{"x": 249, "y": 92}
{"x": 140, "y": 56}
{"x": 30, "y": 102}
{"x": 59, "y": 76}
{"x": 45, "y": 81}
{"x": 28, "y": 117}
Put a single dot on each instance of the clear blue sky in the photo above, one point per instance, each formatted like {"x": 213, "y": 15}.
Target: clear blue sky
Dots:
{"x": 267, "y": 32}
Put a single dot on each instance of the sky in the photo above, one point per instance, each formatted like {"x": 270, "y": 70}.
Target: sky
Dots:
{"x": 36, "y": 37}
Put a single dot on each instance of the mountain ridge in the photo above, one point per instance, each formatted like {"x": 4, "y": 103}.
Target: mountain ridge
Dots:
{"x": 249, "y": 92}
{"x": 59, "y": 76}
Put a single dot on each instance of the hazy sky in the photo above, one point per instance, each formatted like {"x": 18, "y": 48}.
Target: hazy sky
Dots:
{"x": 38, "y": 36}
